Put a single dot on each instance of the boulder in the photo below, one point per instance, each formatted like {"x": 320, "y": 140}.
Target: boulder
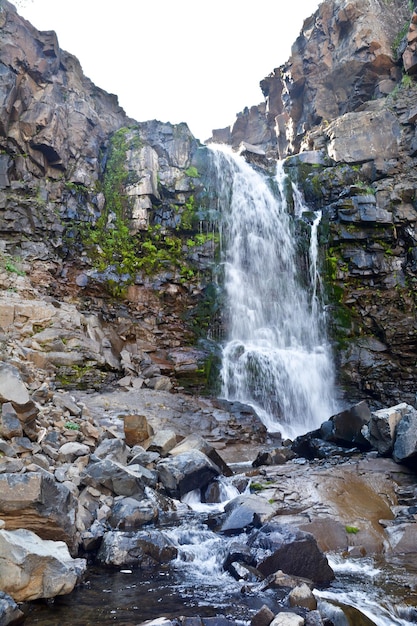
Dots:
{"x": 302, "y": 596}
{"x": 405, "y": 447}
{"x": 146, "y": 550}
{"x": 12, "y": 387}
{"x": 163, "y": 441}
{"x": 263, "y": 617}
{"x": 380, "y": 431}
{"x": 131, "y": 514}
{"x": 345, "y": 428}
{"x": 185, "y": 472}
{"x": 37, "y": 502}
{"x": 136, "y": 429}
{"x": 112, "y": 449}
{"x": 10, "y": 425}
{"x": 121, "y": 480}
{"x": 196, "y": 442}
{"x": 32, "y": 568}
{"x": 245, "y": 512}
{"x": 281, "y": 547}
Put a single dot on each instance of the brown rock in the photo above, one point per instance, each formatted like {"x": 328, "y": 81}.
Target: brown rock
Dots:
{"x": 137, "y": 429}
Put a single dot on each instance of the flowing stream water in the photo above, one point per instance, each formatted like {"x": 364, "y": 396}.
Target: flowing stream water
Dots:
{"x": 276, "y": 357}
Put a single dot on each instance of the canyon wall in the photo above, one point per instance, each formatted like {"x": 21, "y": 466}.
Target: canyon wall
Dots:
{"x": 115, "y": 219}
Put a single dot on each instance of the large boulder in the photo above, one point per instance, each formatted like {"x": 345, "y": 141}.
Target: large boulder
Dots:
{"x": 345, "y": 428}
{"x": 32, "y": 568}
{"x": 185, "y": 472}
{"x": 146, "y": 550}
{"x": 121, "y": 480}
{"x": 381, "y": 429}
{"x": 281, "y": 547}
{"x": 35, "y": 501}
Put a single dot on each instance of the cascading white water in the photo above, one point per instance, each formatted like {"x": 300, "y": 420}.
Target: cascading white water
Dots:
{"x": 276, "y": 357}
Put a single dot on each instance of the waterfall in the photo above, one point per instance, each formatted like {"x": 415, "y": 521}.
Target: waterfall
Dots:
{"x": 275, "y": 357}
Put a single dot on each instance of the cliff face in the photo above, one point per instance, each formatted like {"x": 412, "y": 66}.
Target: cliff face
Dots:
{"x": 114, "y": 218}
{"x": 100, "y": 211}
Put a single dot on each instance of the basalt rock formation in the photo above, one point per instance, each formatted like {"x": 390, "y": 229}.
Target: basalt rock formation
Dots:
{"x": 341, "y": 113}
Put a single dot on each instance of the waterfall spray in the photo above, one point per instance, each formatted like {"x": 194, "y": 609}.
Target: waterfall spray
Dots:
{"x": 276, "y": 357}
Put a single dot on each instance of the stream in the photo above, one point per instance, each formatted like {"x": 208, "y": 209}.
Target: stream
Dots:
{"x": 365, "y": 592}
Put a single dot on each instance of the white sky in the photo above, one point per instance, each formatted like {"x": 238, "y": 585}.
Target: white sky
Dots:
{"x": 191, "y": 61}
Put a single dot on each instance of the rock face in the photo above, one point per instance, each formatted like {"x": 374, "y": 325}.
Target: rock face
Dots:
{"x": 342, "y": 116}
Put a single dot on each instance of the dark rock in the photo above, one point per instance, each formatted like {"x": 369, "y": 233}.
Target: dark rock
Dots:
{"x": 245, "y": 512}
{"x": 196, "y": 442}
{"x": 280, "y": 547}
{"x": 10, "y": 425}
{"x": 146, "y": 550}
{"x": 122, "y": 480}
{"x": 275, "y": 456}
{"x": 185, "y": 472}
{"x": 131, "y": 514}
{"x": 112, "y": 449}
{"x": 345, "y": 428}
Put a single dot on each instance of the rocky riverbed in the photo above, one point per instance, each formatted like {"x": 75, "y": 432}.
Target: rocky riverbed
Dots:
{"x": 107, "y": 479}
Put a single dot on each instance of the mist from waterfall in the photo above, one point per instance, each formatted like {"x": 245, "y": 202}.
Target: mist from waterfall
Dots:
{"x": 275, "y": 357}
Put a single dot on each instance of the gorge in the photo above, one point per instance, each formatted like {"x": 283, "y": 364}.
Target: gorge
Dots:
{"x": 211, "y": 345}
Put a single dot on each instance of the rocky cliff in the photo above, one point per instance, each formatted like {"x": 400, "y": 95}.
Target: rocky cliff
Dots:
{"x": 101, "y": 213}
{"x": 108, "y": 225}
{"x": 341, "y": 113}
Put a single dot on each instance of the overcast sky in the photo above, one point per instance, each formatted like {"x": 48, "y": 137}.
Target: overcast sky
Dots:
{"x": 176, "y": 60}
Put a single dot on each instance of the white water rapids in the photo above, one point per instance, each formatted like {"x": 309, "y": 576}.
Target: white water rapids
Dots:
{"x": 276, "y": 357}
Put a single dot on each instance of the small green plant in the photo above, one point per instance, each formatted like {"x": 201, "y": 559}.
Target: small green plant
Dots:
{"x": 72, "y": 426}
{"x": 192, "y": 172}
{"x": 352, "y": 530}
{"x": 256, "y": 487}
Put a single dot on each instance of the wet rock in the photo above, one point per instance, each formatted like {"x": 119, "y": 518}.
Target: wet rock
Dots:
{"x": 32, "y": 568}
{"x": 121, "y": 480}
{"x": 9, "y": 611}
{"x": 35, "y": 501}
{"x": 186, "y": 472}
{"x": 245, "y": 512}
{"x": 130, "y": 514}
{"x": 280, "y": 580}
{"x": 280, "y": 547}
{"x": 146, "y": 550}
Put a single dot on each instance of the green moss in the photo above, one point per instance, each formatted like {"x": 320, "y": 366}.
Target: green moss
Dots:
{"x": 72, "y": 426}
{"x": 192, "y": 172}
{"x": 351, "y": 530}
